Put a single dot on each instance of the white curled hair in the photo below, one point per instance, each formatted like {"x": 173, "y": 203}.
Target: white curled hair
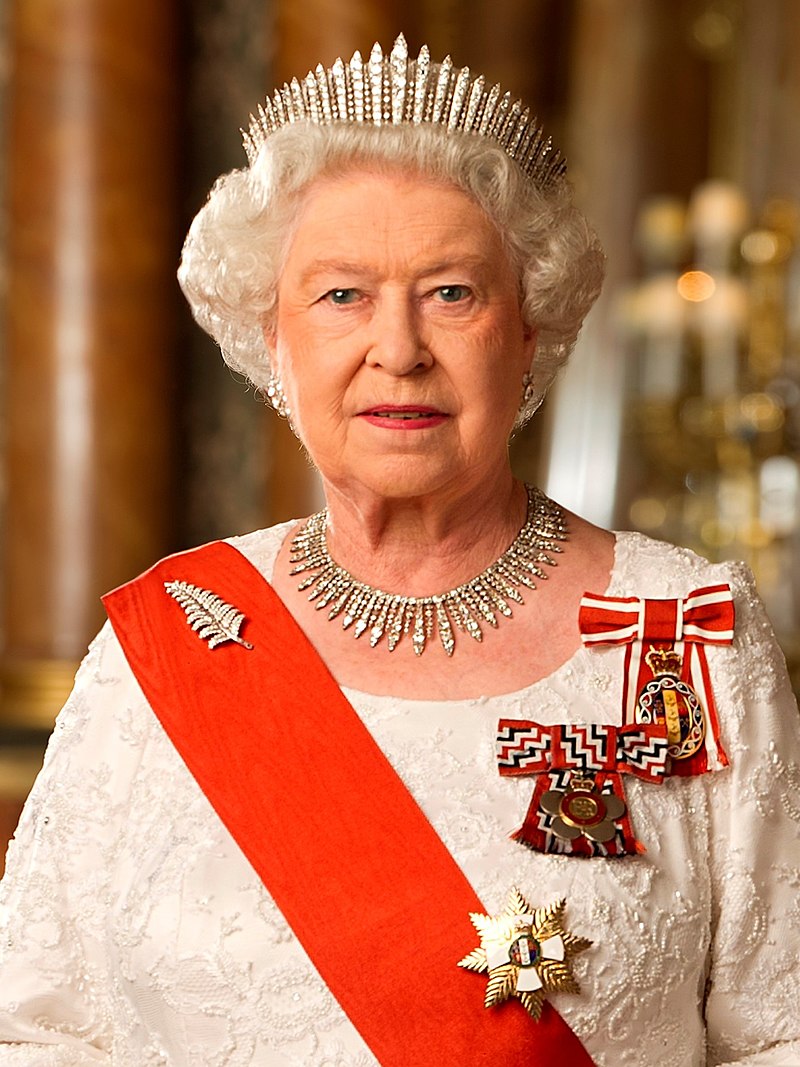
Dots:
{"x": 237, "y": 243}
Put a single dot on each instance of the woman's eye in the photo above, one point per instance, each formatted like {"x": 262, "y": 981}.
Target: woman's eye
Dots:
{"x": 342, "y": 296}
{"x": 452, "y": 294}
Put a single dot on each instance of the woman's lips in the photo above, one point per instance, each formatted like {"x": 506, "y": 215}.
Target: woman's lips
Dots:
{"x": 403, "y": 417}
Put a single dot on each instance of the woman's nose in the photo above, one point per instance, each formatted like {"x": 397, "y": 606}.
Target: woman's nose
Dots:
{"x": 397, "y": 343}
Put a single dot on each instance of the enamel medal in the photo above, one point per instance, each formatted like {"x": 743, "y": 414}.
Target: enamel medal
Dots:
{"x": 669, "y": 700}
{"x": 526, "y": 953}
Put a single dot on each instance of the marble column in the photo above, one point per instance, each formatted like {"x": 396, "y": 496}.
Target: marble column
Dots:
{"x": 91, "y": 248}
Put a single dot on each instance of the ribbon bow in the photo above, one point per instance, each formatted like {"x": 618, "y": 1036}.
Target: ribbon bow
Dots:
{"x": 525, "y": 748}
{"x": 593, "y": 754}
{"x": 705, "y": 616}
{"x": 683, "y": 626}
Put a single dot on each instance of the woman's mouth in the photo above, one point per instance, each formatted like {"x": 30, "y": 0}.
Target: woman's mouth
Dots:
{"x": 404, "y": 417}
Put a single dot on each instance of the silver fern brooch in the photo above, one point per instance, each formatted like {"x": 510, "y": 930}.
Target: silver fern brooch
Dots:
{"x": 208, "y": 615}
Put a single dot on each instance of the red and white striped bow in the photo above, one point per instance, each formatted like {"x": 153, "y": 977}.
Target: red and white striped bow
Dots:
{"x": 705, "y": 617}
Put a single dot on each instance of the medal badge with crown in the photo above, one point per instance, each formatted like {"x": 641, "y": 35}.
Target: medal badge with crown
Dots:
{"x": 669, "y": 700}
{"x": 670, "y": 724}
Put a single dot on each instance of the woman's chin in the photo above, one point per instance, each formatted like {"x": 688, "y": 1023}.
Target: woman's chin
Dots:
{"x": 400, "y": 477}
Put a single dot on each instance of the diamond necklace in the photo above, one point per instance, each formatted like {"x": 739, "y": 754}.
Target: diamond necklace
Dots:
{"x": 465, "y": 608}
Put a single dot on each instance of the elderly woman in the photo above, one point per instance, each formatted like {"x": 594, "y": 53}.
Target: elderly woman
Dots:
{"x": 366, "y": 788}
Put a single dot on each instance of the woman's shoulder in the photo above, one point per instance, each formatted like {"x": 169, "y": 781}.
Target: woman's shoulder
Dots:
{"x": 647, "y": 567}
{"x": 261, "y": 547}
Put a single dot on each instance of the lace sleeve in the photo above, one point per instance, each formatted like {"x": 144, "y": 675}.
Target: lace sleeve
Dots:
{"x": 753, "y": 988}
{"x": 54, "y": 974}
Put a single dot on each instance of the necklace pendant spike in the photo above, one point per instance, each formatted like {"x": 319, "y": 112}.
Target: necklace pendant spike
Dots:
{"x": 419, "y": 637}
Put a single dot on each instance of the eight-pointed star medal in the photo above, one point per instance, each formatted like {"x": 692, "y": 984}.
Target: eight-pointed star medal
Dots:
{"x": 527, "y": 953}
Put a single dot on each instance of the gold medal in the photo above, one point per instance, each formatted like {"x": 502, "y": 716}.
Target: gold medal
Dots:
{"x": 526, "y": 952}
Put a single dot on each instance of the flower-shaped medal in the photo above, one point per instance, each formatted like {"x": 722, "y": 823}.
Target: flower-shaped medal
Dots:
{"x": 527, "y": 953}
{"x": 581, "y": 809}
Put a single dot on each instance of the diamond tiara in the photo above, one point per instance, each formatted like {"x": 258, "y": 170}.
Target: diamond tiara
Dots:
{"x": 391, "y": 90}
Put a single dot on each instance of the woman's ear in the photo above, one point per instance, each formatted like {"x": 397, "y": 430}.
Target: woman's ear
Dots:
{"x": 274, "y": 389}
{"x": 270, "y": 340}
{"x": 530, "y": 338}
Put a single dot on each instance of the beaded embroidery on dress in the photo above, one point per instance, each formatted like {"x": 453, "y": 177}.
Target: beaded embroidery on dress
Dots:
{"x": 174, "y": 953}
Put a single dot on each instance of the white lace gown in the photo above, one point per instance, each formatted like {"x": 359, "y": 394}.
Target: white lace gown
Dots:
{"x": 135, "y": 933}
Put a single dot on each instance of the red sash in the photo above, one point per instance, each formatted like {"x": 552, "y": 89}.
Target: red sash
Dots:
{"x": 367, "y": 886}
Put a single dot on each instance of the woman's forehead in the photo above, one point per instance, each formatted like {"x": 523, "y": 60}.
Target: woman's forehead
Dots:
{"x": 365, "y": 187}
{"x": 359, "y": 213}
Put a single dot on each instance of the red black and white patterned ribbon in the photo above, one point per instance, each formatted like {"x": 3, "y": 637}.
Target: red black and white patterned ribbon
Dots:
{"x": 525, "y": 747}
{"x": 554, "y": 753}
{"x": 705, "y": 617}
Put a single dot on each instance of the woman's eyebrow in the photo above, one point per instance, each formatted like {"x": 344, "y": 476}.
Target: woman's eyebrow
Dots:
{"x": 475, "y": 263}
{"x": 333, "y": 266}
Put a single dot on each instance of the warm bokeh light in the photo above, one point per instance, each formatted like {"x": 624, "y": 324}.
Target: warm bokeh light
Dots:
{"x": 762, "y": 411}
{"x": 696, "y": 285}
{"x": 765, "y": 246}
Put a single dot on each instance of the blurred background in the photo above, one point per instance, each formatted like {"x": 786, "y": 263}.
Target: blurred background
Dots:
{"x": 123, "y": 435}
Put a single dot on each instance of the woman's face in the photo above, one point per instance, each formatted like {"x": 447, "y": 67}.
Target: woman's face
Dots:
{"x": 398, "y": 336}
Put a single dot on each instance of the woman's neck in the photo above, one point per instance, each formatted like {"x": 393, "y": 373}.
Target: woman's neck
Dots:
{"x": 424, "y": 545}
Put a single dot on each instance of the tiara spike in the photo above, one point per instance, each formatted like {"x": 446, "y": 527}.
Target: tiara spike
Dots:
{"x": 498, "y": 125}
{"x": 442, "y": 85}
{"x": 375, "y": 68}
{"x": 392, "y": 88}
{"x": 249, "y": 145}
{"x": 555, "y": 164}
{"x": 288, "y": 103}
{"x": 282, "y": 101}
{"x": 510, "y": 124}
{"x": 298, "y": 103}
{"x": 357, "y": 79}
{"x": 529, "y": 150}
{"x": 459, "y": 95}
{"x": 351, "y": 99}
{"x": 476, "y": 96}
{"x": 324, "y": 93}
{"x": 547, "y": 160}
{"x": 312, "y": 100}
{"x": 265, "y": 117}
{"x": 252, "y": 139}
{"x": 489, "y": 110}
{"x": 529, "y": 138}
{"x": 278, "y": 108}
{"x": 421, "y": 71}
{"x": 447, "y": 102}
{"x": 398, "y": 71}
{"x": 520, "y": 128}
{"x": 340, "y": 85}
